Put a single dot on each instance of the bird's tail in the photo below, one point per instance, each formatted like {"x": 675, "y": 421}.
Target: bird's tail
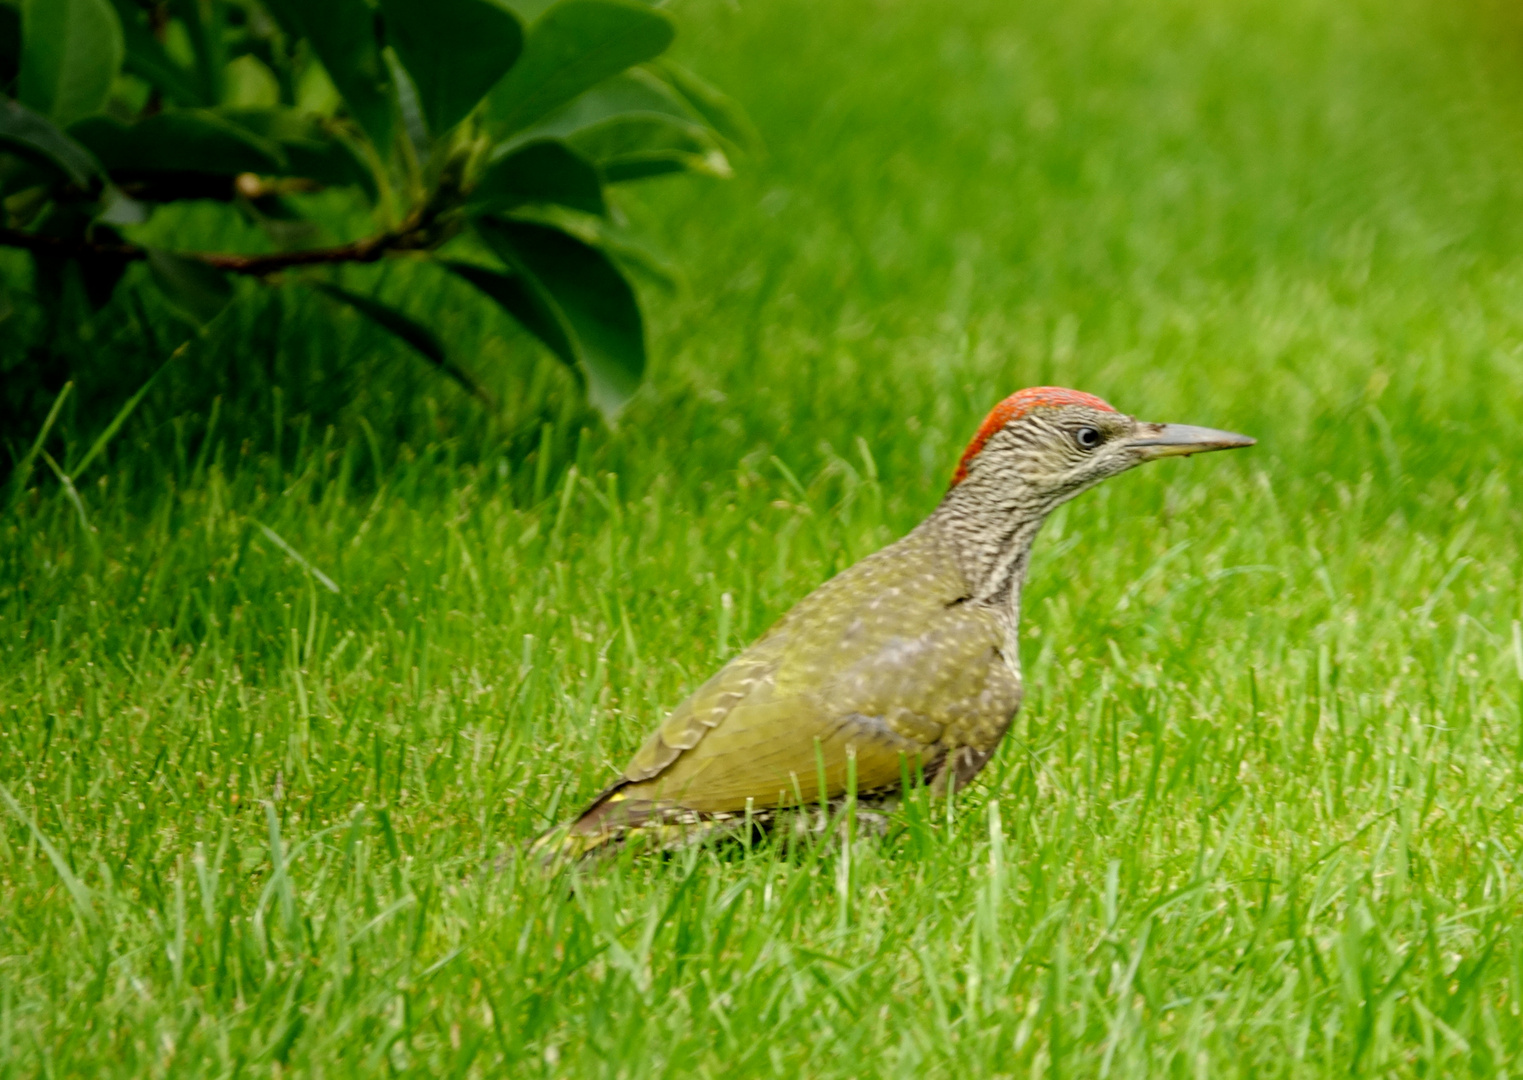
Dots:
{"x": 563, "y": 844}
{"x": 608, "y": 820}
{"x": 618, "y": 818}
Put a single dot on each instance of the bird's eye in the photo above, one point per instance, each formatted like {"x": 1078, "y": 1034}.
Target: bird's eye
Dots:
{"x": 1088, "y": 437}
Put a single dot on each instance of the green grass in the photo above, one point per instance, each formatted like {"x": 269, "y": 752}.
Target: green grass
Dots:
{"x": 1259, "y": 815}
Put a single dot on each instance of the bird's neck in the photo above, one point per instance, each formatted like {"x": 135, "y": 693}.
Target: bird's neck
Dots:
{"x": 991, "y": 540}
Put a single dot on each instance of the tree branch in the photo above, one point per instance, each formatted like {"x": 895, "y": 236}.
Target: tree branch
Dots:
{"x": 66, "y": 248}
{"x": 412, "y": 237}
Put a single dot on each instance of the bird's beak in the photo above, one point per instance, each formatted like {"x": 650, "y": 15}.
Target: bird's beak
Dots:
{"x": 1171, "y": 440}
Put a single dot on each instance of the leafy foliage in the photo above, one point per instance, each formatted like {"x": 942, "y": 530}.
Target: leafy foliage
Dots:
{"x": 452, "y": 123}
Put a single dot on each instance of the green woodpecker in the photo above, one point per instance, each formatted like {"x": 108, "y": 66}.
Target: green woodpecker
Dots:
{"x": 906, "y": 664}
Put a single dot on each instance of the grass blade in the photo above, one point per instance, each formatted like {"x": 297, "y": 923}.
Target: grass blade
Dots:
{"x": 78, "y": 892}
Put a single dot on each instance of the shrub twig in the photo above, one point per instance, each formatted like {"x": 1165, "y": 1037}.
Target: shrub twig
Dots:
{"x": 412, "y": 237}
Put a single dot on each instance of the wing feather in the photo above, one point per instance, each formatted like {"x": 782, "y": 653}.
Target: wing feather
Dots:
{"x": 880, "y": 665}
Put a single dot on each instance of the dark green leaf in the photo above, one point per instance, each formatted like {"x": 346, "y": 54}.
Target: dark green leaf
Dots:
{"x": 409, "y": 106}
{"x": 71, "y": 52}
{"x": 190, "y": 140}
{"x": 631, "y": 126}
{"x": 20, "y": 171}
{"x": 718, "y": 110}
{"x": 455, "y": 50}
{"x": 541, "y": 172}
{"x": 10, "y": 48}
{"x": 25, "y": 130}
{"x": 629, "y": 147}
{"x": 271, "y": 46}
{"x": 196, "y": 291}
{"x": 147, "y": 59}
{"x": 343, "y": 34}
{"x": 333, "y": 162}
{"x": 643, "y": 166}
{"x": 634, "y": 257}
{"x": 287, "y": 16}
{"x": 205, "y": 24}
{"x": 405, "y": 327}
{"x": 593, "y": 303}
{"x": 514, "y": 295}
{"x": 312, "y": 151}
{"x": 625, "y": 94}
{"x": 277, "y": 124}
{"x": 573, "y": 46}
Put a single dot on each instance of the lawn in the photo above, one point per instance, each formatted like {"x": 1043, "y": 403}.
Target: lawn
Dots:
{"x": 316, "y": 646}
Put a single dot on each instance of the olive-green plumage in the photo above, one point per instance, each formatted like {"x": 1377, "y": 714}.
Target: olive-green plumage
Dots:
{"x": 881, "y": 662}
{"x": 903, "y": 665}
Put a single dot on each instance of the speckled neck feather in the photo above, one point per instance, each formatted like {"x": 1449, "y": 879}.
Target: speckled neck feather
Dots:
{"x": 991, "y": 521}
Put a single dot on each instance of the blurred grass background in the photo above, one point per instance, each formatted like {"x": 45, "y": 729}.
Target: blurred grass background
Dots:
{"x": 1259, "y": 814}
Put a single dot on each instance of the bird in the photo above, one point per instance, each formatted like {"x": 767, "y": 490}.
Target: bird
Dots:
{"x": 905, "y": 665}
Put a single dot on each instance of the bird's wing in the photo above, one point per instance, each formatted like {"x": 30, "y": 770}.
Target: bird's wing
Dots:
{"x": 880, "y": 665}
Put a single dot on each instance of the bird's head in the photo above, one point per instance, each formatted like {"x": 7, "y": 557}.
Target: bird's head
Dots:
{"x": 1042, "y": 446}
